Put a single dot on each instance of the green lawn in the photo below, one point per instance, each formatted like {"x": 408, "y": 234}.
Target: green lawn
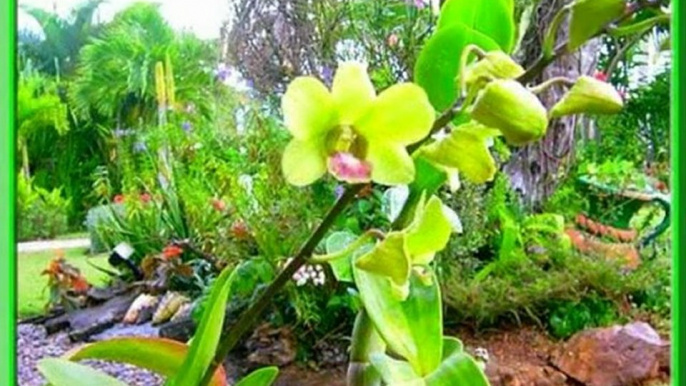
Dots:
{"x": 32, "y": 294}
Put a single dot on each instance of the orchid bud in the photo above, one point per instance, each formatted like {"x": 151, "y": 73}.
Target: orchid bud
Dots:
{"x": 494, "y": 65}
{"x": 510, "y": 107}
{"x": 588, "y": 95}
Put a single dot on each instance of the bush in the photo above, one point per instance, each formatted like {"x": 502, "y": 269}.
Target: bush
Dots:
{"x": 96, "y": 219}
{"x": 41, "y": 214}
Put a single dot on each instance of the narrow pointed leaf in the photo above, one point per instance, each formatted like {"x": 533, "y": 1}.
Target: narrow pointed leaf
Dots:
{"x": 394, "y": 372}
{"x": 260, "y": 377}
{"x": 207, "y": 336}
{"x": 163, "y": 356}
{"x": 61, "y": 372}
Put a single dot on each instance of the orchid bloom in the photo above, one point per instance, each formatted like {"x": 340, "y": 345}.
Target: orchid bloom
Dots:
{"x": 412, "y": 247}
{"x": 350, "y": 131}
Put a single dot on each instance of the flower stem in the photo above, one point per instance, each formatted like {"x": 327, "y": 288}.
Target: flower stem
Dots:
{"x": 250, "y": 316}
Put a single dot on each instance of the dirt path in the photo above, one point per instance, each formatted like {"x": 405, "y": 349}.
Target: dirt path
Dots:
{"x": 47, "y": 245}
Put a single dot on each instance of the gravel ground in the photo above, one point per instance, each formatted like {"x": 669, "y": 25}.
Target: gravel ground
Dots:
{"x": 33, "y": 345}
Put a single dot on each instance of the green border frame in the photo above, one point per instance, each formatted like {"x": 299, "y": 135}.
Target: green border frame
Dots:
{"x": 7, "y": 196}
{"x": 7, "y": 179}
{"x": 678, "y": 180}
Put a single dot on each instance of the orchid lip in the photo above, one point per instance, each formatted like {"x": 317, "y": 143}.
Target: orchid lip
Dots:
{"x": 347, "y": 167}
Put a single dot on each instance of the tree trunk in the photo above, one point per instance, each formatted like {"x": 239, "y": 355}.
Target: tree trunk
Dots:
{"x": 534, "y": 169}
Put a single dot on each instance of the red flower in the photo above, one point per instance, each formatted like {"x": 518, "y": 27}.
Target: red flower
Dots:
{"x": 601, "y": 76}
{"x": 171, "y": 251}
{"x": 240, "y": 230}
{"x": 218, "y": 204}
{"x": 118, "y": 199}
{"x": 79, "y": 284}
{"x": 146, "y": 197}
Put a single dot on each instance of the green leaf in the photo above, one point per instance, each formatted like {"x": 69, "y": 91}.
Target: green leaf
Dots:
{"x": 395, "y": 372}
{"x": 493, "y": 18}
{"x": 640, "y": 27}
{"x": 457, "y": 368}
{"x": 589, "y": 17}
{"x": 260, "y": 377}
{"x": 207, "y": 335}
{"x": 61, "y": 372}
{"x": 438, "y": 63}
{"x": 412, "y": 328}
{"x": 163, "y": 356}
{"x": 429, "y": 179}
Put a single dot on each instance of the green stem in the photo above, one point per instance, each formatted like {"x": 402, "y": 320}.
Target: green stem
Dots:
{"x": 352, "y": 247}
{"x": 551, "y": 34}
{"x": 551, "y": 82}
{"x": 365, "y": 341}
{"x": 249, "y": 317}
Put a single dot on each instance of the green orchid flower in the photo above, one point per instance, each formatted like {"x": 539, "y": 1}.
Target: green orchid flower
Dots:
{"x": 412, "y": 248}
{"x": 350, "y": 131}
{"x": 465, "y": 150}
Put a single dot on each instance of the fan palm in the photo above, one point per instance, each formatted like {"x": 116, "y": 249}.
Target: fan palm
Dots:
{"x": 115, "y": 73}
{"x": 57, "y": 52}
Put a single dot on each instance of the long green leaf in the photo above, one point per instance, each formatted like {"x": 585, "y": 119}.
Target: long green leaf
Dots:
{"x": 493, "y": 18}
{"x": 439, "y": 61}
{"x": 61, "y": 372}
{"x": 207, "y": 336}
{"x": 260, "y": 377}
{"x": 163, "y": 356}
{"x": 457, "y": 368}
{"x": 412, "y": 328}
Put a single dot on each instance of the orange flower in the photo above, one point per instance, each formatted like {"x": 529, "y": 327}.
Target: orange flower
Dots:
{"x": 171, "y": 251}
{"x": 79, "y": 284}
{"x": 218, "y": 204}
{"x": 118, "y": 199}
{"x": 240, "y": 230}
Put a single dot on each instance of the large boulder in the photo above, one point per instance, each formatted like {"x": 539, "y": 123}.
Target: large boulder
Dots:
{"x": 614, "y": 356}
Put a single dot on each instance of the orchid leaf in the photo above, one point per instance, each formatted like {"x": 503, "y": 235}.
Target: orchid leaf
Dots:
{"x": 438, "y": 64}
{"x": 163, "y": 356}
{"x": 207, "y": 336}
{"x": 493, "y": 18}
{"x": 412, "y": 328}
{"x": 260, "y": 377}
{"x": 61, "y": 372}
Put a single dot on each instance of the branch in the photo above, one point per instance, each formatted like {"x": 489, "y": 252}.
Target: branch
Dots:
{"x": 249, "y": 317}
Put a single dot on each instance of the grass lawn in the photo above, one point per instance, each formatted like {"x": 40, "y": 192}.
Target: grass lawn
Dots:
{"x": 32, "y": 293}
{"x": 72, "y": 236}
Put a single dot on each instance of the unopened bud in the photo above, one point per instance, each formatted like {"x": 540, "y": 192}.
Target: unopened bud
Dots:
{"x": 494, "y": 65}
{"x": 588, "y": 95}
{"x": 510, "y": 107}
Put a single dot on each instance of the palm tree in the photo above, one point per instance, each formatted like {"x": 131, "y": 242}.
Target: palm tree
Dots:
{"x": 115, "y": 73}
{"x": 57, "y": 52}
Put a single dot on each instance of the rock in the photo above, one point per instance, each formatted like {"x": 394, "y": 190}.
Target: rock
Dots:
{"x": 181, "y": 330}
{"x": 613, "y": 356}
{"x": 123, "y": 330}
{"x": 141, "y": 309}
{"x": 89, "y": 321}
{"x": 271, "y": 346}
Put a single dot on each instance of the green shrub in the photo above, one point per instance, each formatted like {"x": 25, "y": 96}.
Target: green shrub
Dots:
{"x": 41, "y": 214}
